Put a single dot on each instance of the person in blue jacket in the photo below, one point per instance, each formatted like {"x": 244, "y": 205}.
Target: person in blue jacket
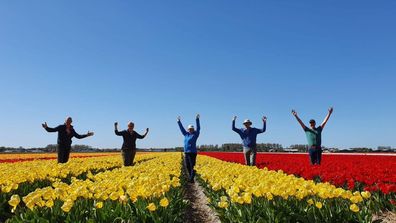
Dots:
{"x": 249, "y": 138}
{"x": 190, "y": 146}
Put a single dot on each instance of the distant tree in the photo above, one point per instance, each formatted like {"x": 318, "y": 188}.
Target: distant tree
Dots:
{"x": 50, "y": 148}
{"x": 300, "y": 147}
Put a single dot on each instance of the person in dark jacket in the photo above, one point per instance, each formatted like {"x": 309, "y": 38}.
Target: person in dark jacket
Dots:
{"x": 249, "y": 138}
{"x": 128, "y": 149}
{"x": 65, "y": 134}
{"x": 190, "y": 146}
{"x": 314, "y": 137}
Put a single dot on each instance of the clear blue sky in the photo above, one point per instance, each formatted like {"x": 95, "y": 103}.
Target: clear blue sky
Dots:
{"x": 149, "y": 61}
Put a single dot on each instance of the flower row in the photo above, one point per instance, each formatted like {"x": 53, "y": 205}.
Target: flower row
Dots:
{"x": 141, "y": 190}
{"x": 237, "y": 191}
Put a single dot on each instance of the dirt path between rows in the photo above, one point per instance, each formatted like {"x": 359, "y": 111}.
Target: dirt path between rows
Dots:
{"x": 198, "y": 211}
{"x": 387, "y": 217}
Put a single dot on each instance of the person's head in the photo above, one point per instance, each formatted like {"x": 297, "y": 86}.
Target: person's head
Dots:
{"x": 190, "y": 128}
{"x": 312, "y": 123}
{"x": 68, "y": 121}
{"x": 131, "y": 125}
{"x": 247, "y": 123}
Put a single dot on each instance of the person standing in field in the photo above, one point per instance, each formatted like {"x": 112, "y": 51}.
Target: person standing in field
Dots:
{"x": 314, "y": 137}
{"x": 249, "y": 138}
{"x": 65, "y": 134}
{"x": 128, "y": 149}
{"x": 190, "y": 146}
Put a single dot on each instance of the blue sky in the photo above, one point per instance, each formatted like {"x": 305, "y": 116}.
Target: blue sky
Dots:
{"x": 150, "y": 61}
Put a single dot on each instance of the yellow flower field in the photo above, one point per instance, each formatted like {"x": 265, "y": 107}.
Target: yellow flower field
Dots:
{"x": 100, "y": 189}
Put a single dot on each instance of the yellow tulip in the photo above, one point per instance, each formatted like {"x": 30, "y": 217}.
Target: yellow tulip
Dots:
{"x": 366, "y": 194}
{"x": 99, "y": 205}
{"x": 247, "y": 198}
{"x": 14, "y": 200}
{"x": 49, "y": 203}
{"x": 151, "y": 207}
{"x": 123, "y": 199}
{"x": 164, "y": 202}
{"x": 222, "y": 204}
{"x": 354, "y": 208}
{"x": 67, "y": 206}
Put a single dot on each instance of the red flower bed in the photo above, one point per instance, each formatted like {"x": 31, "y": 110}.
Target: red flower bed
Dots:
{"x": 374, "y": 172}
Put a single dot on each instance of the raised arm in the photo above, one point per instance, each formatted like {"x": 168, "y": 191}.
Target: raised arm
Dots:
{"x": 48, "y": 129}
{"x": 327, "y": 117}
{"x": 264, "y": 125}
{"x": 142, "y": 136}
{"x": 233, "y": 126}
{"x": 183, "y": 131}
{"x": 198, "y": 124}
{"x": 298, "y": 119}
{"x": 116, "y": 129}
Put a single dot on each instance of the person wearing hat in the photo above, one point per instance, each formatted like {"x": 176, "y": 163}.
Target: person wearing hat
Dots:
{"x": 190, "y": 146}
{"x": 314, "y": 137}
{"x": 128, "y": 149}
{"x": 65, "y": 133}
{"x": 249, "y": 138}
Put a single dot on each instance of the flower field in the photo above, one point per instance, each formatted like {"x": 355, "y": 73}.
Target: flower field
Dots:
{"x": 285, "y": 188}
{"x": 11, "y": 158}
{"x": 373, "y": 173}
{"x": 96, "y": 189}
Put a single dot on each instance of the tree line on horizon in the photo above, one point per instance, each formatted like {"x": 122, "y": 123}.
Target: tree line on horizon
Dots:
{"x": 226, "y": 147}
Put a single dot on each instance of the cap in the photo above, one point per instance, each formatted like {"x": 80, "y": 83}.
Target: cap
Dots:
{"x": 190, "y": 127}
{"x": 247, "y": 121}
{"x": 312, "y": 121}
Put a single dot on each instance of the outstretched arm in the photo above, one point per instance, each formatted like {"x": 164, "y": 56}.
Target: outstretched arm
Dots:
{"x": 48, "y": 129}
{"x": 198, "y": 123}
{"x": 327, "y": 117}
{"x": 298, "y": 119}
{"x": 183, "y": 131}
{"x": 142, "y": 136}
{"x": 233, "y": 126}
{"x": 264, "y": 125}
{"x": 78, "y": 136}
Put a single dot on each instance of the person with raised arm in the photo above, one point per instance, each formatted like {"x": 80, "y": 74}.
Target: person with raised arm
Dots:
{"x": 314, "y": 137}
{"x": 65, "y": 134}
{"x": 128, "y": 149}
{"x": 190, "y": 146}
{"x": 249, "y": 138}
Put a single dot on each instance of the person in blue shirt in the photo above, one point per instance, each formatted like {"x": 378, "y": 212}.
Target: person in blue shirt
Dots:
{"x": 314, "y": 137}
{"x": 249, "y": 138}
{"x": 190, "y": 146}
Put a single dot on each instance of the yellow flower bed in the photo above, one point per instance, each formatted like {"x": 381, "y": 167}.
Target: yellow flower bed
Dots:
{"x": 149, "y": 179}
{"x": 242, "y": 182}
{"x": 13, "y": 174}
{"x": 15, "y": 156}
